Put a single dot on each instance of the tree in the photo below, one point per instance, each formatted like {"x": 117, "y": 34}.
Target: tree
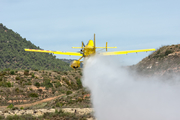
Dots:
{"x": 37, "y": 84}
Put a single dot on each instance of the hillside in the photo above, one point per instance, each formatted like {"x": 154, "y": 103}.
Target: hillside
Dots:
{"x": 13, "y": 56}
{"x": 31, "y": 81}
{"x": 40, "y": 91}
{"x": 164, "y": 61}
{"x": 27, "y": 87}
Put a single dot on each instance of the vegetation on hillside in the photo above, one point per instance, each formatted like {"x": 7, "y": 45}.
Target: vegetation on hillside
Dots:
{"x": 163, "y": 61}
{"x": 24, "y": 87}
{"x": 13, "y": 56}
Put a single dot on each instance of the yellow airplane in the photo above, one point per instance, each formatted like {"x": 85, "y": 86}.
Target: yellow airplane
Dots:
{"x": 88, "y": 50}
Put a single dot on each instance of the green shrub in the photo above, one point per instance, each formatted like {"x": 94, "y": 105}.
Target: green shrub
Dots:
{"x": 35, "y": 69}
{"x": 46, "y": 83}
{"x": 12, "y": 72}
{"x": 58, "y": 77}
{"x": 59, "y": 104}
{"x": 7, "y": 69}
{"x": 3, "y": 73}
{"x": 33, "y": 95}
{"x": 37, "y": 84}
{"x": 21, "y": 108}
{"x": 17, "y": 78}
{"x": 79, "y": 83}
{"x": 32, "y": 75}
{"x": 26, "y": 72}
{"x": 49, "y": 74}
{"x": 15, "y": 108}
{"x": 65, "y": 73}
{"x": 40, "y": 90}
{"x": 5, "y": 84}
{"x": 10, "y": 106}
{"x": 158, "y": 51}
{"x": 2, "y": 117}
{"x": 21, "y": 117}
{"x": 66, "y": 81}
{"x": 28, "y": 83}
{"x": 2, "y": 84}
{"x": 68, "y": 92}
{"x": 168, "y": 52}
{"x": 17, "y": 89}
{"x": 57, "y": 84}
{"x": 80, "y": 73}
{"x": 8, "y": 84}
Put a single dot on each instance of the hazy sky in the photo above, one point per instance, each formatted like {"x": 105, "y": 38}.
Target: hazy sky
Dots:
{"x": 127, "y": 24}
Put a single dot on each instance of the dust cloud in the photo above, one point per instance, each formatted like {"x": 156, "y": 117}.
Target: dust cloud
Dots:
{"x": 118, "y": 94}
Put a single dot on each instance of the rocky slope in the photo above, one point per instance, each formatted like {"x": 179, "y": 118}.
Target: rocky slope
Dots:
{"x": 41, "y": 112}
{"x": 164, "y": 61}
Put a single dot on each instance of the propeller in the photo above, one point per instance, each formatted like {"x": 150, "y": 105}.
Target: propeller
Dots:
{"x": 83, "y": 44}
{"x": 81, "y": 51}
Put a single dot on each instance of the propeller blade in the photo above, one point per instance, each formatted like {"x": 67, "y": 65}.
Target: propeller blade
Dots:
{"x": 83, "y": 44}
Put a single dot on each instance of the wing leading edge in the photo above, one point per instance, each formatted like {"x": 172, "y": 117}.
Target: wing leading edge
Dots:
{"x": 126, "y": 52}
{"x": 54, "y": 52}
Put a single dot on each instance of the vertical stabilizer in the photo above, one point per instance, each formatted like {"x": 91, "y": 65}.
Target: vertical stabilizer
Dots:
{"x": 94, "y": 43}
{"x": 106, "y": 46}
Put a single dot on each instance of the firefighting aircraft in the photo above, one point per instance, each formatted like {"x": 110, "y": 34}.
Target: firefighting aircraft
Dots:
{"x": 88, "y": 50}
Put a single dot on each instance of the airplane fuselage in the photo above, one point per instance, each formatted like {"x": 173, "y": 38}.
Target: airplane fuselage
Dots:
{"x": 88, "y": 49}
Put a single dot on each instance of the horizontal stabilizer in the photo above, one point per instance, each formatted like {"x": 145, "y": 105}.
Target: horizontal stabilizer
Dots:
{"x": 106, "y": 47}
{"x": 96, "y": 47}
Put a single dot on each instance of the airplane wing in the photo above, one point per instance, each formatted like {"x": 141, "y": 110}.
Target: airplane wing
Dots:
{"x": 126, "y": 52}
{"x": 54, "y": 52}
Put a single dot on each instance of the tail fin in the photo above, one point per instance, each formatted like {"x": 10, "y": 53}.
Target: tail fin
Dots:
{"x": 106, "y": 46}
{"x": 94, "y": 43}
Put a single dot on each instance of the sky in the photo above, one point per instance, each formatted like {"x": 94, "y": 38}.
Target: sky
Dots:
{"x": 62, "y": 24}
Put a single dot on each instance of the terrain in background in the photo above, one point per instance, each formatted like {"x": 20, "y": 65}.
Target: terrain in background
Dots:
{"x": 165, "y": 61}
{"x": 32, "y": 81}
{"x": 13, "y": 56}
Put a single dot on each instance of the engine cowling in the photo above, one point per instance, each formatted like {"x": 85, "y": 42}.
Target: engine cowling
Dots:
{"x": 75, "y": 64}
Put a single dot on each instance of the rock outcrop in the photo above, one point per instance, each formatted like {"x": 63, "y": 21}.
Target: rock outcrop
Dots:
{"x": 40, "y": 112}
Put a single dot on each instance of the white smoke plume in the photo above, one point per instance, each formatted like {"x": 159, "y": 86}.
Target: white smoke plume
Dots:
{"x": 117, "y": 94}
